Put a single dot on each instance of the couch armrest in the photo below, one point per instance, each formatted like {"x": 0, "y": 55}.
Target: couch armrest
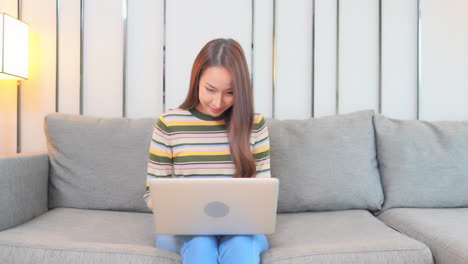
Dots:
{"x": 24, "y": 181}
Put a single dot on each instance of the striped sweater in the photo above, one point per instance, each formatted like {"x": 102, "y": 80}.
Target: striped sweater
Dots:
{"x": 189, "y": 143}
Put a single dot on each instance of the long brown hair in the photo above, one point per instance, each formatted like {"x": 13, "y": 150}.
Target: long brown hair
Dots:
{"x": 239, "y": 117}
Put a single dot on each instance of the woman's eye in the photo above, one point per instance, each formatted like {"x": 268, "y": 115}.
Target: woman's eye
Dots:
{"x": 210, "y": 90}
{"x": 230, "y": 93}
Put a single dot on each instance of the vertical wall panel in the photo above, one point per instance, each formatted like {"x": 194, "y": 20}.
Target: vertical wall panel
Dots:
{"x": 190, "y": 25}
{"x": 8, "y": 94}
{"x": 325, "y": 58}
{"x": 399, "y": 58}
{"x": 69, "y": 56}
{"x": 103, "y": 58}
{"x": 293, "y": 88}
{"x": 145, "y": 58}
{"x": 38, "y": 92}
{"x": 444, "y": 93}
{"x": 8, "y": 112}
{"x": 262, "y": 57}
{"x": 358, "y": 83}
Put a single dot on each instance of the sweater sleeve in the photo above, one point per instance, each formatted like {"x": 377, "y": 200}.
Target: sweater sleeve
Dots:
{"x": 261, "y": 148}
{"x": 160, "y": 161}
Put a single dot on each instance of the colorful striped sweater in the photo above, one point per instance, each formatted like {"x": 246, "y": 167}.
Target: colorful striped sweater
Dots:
{"x": 189, "y": 143}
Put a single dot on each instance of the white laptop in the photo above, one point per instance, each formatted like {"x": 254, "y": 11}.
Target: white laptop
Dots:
{"x": 214, "y": 206}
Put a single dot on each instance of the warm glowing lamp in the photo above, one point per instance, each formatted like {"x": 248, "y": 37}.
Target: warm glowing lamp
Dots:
{"x": 14, "y": 36}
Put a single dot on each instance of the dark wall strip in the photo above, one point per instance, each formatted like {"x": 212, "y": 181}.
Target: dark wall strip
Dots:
{"x": 18, "y": 95}
{"x": 273, "y": 94}
{"x": 124, "y": 70}
{"x": 337, "y": 95}
{"x": 419, "y": 59}
{"x": 164, "y": 59}
{"x": 379, "y": 107}
{"x": 313, "y": 60}
{"x": 57, "y": 48}
{"x": 252, "y": 44}
{"x": 81, "y": 53}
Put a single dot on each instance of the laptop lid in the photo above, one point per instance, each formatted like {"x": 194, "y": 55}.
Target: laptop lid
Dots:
{"x": 214, "y": 206}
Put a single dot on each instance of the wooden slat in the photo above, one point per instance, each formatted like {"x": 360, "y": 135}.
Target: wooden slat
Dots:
{"x": 38, "y": 92}
{"x": 358, "y": 82}
{"x": 145, "y": 58}
{"x": 69, "y": 57}
{"x": 262, "y": 57}
{"x": 103, "y": 58}
{"x": 325, "y": 58}
{"x": 293, "y": 87}
{"x": 399, "y": 58}
{"x": 444, "y": 93}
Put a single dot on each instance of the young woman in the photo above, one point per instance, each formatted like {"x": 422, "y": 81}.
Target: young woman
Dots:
{"x": 214, "y": 133}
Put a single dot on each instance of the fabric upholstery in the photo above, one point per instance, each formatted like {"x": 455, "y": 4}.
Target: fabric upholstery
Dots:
{"x": 98, "y": 163}
{"x": 443, "y": 230}
{"x": 423, "y": 164}
{"x": 353, "y": 236}
{"x": 326, "y": 164}
{"x": 70, "y": 236}
{"x": 23, "y": 188}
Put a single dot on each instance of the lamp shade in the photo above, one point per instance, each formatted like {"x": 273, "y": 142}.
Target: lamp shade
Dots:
{"x": 14, "y": 36}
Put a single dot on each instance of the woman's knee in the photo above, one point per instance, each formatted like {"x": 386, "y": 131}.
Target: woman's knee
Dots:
{"x": 240, "y": 241}
{"x": 198, "y": 249}
{"x": 199, "y": 243}
{"x": 258, "y": 242}
{"x": 242, "y": 248}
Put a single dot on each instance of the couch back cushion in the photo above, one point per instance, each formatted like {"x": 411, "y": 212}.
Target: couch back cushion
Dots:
{"x": 326, "y": 163}
{"x": 423, "y": 164}
{"x": 98, "y": 163}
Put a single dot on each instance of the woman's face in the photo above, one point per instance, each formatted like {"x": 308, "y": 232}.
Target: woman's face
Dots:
{"x": 215, "y": 91}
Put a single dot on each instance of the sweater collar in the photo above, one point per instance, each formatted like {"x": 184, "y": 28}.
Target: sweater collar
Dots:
{"x": 204, "y": 116}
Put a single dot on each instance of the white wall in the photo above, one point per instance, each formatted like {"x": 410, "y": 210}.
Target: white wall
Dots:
{"x": 308, "y": 58}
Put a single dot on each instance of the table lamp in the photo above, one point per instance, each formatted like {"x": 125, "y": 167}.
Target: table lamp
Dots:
{"x": 14, "y": 36}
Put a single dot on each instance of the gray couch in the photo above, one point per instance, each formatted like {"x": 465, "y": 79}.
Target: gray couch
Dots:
{"x": 354, "y": 188}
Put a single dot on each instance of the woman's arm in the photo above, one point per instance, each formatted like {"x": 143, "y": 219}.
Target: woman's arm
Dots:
{"x": 261, "y": 148}
{"x": 160, "y": 162}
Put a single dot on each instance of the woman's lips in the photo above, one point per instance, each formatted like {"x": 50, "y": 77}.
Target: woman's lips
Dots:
{"x": 214, "y": 110}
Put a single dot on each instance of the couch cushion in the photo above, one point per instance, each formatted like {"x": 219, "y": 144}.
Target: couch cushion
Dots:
{"x": 423, "y": 164}
{"x": 326, "y": 163}
{"x": 98, "y": 163}
{"x": 353, "y": 236}
{"x": 443, "y": 230}
{"x": 66, "y": 235}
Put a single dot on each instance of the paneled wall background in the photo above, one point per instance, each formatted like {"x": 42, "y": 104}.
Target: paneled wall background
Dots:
{"x": 406, "y": 59}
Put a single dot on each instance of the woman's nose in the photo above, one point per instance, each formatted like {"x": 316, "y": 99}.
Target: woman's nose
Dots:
{"x": 218, "y": 101}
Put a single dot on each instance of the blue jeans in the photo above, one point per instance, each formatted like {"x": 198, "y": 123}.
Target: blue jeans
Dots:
{"x": 215, "y": 249}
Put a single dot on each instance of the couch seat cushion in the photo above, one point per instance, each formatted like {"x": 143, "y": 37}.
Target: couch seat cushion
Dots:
{"x": 353, "y": 236}
{"x": 444, "y": 231}
{"x": 84, "y": 236}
